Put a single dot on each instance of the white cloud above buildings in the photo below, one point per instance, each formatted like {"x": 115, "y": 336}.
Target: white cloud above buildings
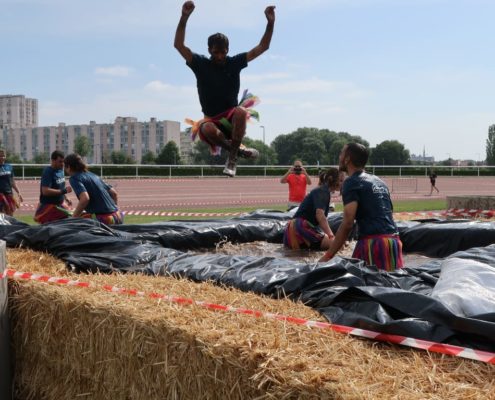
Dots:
{"x": 114, "y": 71}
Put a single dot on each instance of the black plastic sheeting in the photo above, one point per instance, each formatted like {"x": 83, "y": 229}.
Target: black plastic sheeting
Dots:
{"x": 448, "y": 300}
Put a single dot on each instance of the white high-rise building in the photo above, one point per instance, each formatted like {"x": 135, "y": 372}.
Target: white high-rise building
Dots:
{"x": 17, "y": 111}
{"x": 126, "y": 135}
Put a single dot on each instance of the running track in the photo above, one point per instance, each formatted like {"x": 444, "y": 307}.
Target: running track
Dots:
{"x": 210, "y": 193}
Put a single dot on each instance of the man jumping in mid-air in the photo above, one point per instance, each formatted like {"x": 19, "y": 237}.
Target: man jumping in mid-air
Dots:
{"x": 218, "y": 82}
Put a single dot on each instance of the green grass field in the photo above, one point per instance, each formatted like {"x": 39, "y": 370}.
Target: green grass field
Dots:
{"x": 399, "y": 206}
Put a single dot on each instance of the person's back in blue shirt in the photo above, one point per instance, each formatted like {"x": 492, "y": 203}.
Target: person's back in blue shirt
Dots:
{"x": 100, "y": 201}
{"x": 318, "y": 198}
{"x": 374, "y": 210}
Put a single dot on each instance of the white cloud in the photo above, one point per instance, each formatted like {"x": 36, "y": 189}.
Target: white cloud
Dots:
{"x": 158, "y": 86}
{"x": 117, "y": 71}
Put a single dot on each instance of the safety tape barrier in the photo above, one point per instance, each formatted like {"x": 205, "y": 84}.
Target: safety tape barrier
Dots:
{"x": 180, "y": 214}
{"x": 470, "y": 213}
{"x": 457, "y": 351}
{"x": 451, "y": 212}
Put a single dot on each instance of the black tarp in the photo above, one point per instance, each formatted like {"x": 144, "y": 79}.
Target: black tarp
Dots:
{"x": 425, "y": 302}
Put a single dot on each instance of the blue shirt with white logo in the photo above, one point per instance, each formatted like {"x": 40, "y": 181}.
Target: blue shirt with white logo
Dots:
{"x": 53, "y": 179}
{"x": 6, "y": 177}
{"x": 374, "y": 210}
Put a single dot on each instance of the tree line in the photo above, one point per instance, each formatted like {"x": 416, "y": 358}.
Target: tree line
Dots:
{"x": 312, "y": 146}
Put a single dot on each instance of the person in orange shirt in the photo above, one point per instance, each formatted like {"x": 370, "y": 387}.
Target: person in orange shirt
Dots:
{"x": 298, "y": 180}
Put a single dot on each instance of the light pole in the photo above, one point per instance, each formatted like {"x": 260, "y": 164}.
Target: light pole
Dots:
{"x": 263, "y": 127}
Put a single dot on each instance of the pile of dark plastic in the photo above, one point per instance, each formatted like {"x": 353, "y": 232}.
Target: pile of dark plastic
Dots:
{"x": 448, "y": 299}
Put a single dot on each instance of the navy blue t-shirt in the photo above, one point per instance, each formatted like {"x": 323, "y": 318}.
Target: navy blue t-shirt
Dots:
{"x": 318, "y": 198}
{"x": 53, "y": 179}
{"x": 218, "y": 85}
{"x": 6, "y": 176}
{"x": 374, "y": 211}
{"x": 100, "y": 201}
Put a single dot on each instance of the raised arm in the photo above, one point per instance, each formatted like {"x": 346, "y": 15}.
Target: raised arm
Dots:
{"x": 180, "y": 33}
{"x": 308, "y": 178}
{"x": 264, "y": 44}
{"x": 284, "y": 178}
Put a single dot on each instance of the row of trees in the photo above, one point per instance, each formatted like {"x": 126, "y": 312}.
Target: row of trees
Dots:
{"x": 311, "y": 145}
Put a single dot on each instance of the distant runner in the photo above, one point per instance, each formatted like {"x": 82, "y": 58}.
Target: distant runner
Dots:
{"x": 433, "y": 180}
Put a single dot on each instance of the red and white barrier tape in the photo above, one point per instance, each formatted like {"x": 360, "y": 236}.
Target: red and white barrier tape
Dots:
{"x": 180, "y": 214}
{"x": 467, "y": 212}
{"x": 457, "y": 351}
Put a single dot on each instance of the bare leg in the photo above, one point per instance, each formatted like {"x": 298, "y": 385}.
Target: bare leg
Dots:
{"x": 215, "y": 135}
{"x": 238, "y": 132}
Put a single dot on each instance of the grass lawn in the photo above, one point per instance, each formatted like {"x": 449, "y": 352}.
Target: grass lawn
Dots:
{"x": 399, "y": 206}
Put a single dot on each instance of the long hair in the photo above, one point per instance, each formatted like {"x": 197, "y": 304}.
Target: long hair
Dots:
{"x": 75, "y": 162}
{"x": 329, "y": 177}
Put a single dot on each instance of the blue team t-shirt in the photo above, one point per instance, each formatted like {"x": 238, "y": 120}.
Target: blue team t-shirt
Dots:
{"x": 53, "y": 179}
{"x": 374, "y": 210}
{"x": 100, "y": 201}
{"x": 218, "y": 85}
{"x": 318, "y": 198}
{"x": 6, "y": 176}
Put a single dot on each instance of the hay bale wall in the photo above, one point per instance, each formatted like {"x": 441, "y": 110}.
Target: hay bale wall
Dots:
{"x": 471, "y": 202}
{"x": 85, "y": 343}
{"x": 5, "y": 375}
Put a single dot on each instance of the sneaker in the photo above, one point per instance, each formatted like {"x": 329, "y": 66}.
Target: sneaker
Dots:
{"x": 230, "y": 168}
{"x": 247, "y": 152}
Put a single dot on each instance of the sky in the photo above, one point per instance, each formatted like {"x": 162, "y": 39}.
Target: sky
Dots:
{"x": 417, "y": 71}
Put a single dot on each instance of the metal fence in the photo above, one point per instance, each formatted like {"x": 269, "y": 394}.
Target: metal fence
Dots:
{"x": 34, "y": 171}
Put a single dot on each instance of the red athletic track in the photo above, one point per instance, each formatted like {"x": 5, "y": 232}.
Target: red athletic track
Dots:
{"x": 208, "y": 193}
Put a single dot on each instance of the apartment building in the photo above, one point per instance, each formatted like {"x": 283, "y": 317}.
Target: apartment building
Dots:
{"x": 186, "y": 147}
{"x": 17, "y": 111}
{"x": 126, "y": 134}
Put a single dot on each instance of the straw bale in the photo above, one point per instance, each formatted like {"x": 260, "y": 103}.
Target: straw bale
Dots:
{"x": 75, "y": 343}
